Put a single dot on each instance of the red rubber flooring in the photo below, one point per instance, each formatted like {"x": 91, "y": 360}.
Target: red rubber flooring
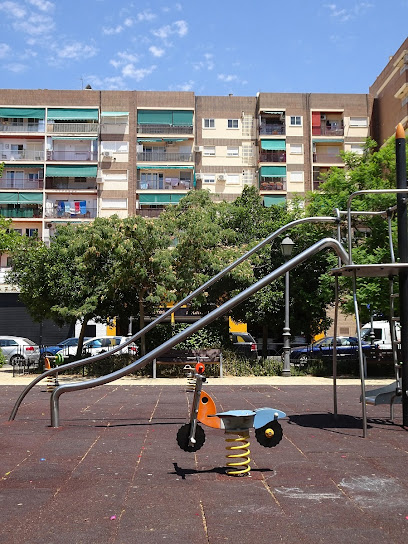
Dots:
{"x": 113, "y": 473}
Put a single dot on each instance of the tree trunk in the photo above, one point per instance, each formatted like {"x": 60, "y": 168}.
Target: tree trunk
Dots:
{"x": 264, "y": 341}
{"x": 82, "y": 335}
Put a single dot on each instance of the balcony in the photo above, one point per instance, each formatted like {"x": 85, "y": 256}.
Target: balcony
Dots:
{"x": 327, "y": 158}
{"x": 328, "y": 130}
{"x": 21, "y": 127}
{"x": 21, "y": 212}
{"x": 21, "y": 155}
{"x": 272, "y": 156}
{"x": 72, "y": 155}
{"x": 70, "y": 184}
{"x": 272, "y": 129}
{"x": 150, "y": 212}
{"x": 24, "y": 182}
{"x": 272, "y": 184}
{"x": 164, "y": 157}
{"x": 70, "y": 210}
{"x": 165, "y": 184}
{"x": 73, "y": 128}
{"x": 164, "y": 129}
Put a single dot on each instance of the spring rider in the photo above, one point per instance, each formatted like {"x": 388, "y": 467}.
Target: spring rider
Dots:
{"x": 191, "y": 436}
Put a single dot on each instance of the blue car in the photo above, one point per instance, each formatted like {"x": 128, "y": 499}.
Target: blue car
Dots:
{"x": 347, "y": 347}
{"x": 50, "y": 351}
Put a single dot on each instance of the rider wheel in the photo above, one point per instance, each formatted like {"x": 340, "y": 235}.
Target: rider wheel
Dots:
{"x": 183, "y": 436}
{"x": 270, "y": 434}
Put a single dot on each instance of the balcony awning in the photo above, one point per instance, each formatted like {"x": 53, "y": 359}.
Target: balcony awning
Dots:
{"x": 156, "y": 198}
{"x": 74, "y": 138}
{"x": 327, "y": 140}
{"x": 148, "y": 140}
{"x": 273, "y": 200}
{"x": 71, "y": 171}
{"x": 165, "y": 117}
{"x": 115, "y": 114}
{"x": 63, "y": 114}
{"x": 143, "y": 167}
{"x": 273, "y": 171}
{"x": 274, "y": 145}
{"x": 21, "y": 198}
{"x": 14, "y": 166}
{"x": 25, "y": 113}
{"x": 273, "y": 112}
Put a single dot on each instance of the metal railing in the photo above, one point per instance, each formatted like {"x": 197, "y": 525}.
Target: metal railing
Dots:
{"x": 74, "y": 128}
{"x": 22, "y": 127}
{"x": 89, "y": 212}
{"x": 272, "y": 156}
{"x": 163, "y": 185}
{"x": 320, "y": 156}
{"x": 327, "y": 131}
{"x": 166, "y": 157}
{"x": 149, "y": 212}
{"x": 272, "y": 129}
{"x": 163, "y": 129}
{"x": 272, "y": 185}
{"x": 66, "y": 185}
{"x": 24, "y": 183}
{"x": 26, "y": 213}
{"x": 21, "y": 155}
{"x": 72, "y": 155}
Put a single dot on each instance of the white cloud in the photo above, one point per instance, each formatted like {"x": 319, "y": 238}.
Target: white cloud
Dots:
{"x": 179, "y": 28}
{"x": 146, "y": 15}
{"x": 17, "y": 68}
{"x": 227, "y": 78}
{"x": 156, "y": 51}
{"x": 4, "y": 50}
{"x": 188, "y": 86}
{"x": 35, "y": 25}
{"x": 124, "y": 57}
{"x": 344, "y": 15}
{"x": 206, "y": 64}
{"x": 106, "y": 83}
{"x": 137, "y": 73}
{"x": 109, "y": 31}
{"x": 13, "y": 9}
{"x": 42, "y": 5}
{"x": 128, "y": 22}
{"x": 76, "y": 51}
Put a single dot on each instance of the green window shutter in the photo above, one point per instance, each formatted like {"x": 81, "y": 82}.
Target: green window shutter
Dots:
{"x": 183, "y": 118}
{"x": 71, "y": 171}
{"x": 273, "y": 171}
{"x": 273, "y": 145}
{"x": 18, "y": 113}
{"x": 270, "y": 200}
{"x": 154, "y": 117}
{"x": 77, "y": 114}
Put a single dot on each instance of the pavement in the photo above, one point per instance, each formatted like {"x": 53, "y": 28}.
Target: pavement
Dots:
{"x": 113, "y": 472}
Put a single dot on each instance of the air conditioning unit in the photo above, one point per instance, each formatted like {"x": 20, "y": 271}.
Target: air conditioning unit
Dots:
{"x": 221, "y": 177}
{"x": 199, "y": 176}
{"x": 198, "y": 148}
{"x": 99, "y": 180}
{"x": 323, "y": 117}
{"x": 106, "y": 153}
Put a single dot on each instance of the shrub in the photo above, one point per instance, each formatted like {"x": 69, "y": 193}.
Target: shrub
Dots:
{"x": 2, "y": 359}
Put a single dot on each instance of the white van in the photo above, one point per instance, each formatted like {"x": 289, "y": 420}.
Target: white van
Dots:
{"x": 382, "y": 333}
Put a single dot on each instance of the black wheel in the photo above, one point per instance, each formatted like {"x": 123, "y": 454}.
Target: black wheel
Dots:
{"x": 270, "y": 434}
{"x": 183, "y": 435}
{"x": 17, "y": 360}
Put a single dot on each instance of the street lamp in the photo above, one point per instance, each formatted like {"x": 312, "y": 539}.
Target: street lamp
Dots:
{"x": 286, "y": 248}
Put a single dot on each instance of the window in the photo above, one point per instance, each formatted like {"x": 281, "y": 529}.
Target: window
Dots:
{"x": 233, "y": 179}
{"x": 232, "y": 151}
{"x": 209, "y": 123}
{"x": 209, "y": 178}
{"x": 358, "y": 122}
{"x": 296, "y": 176}
{"x": 31, "y": 233}
{"x": 296, "y": 149}
{"x": 247, "y": 177}
{"x": 209, "y": 151}
{"x": 357, "y": 148}
{"x": 232, "y": 123}
{"x": 295, "y": 121}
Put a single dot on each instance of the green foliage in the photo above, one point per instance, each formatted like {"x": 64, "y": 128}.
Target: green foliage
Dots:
{"x": 2, "y": 359}
{"x": 235, "y": 365}
{"x": 214, "y": 335}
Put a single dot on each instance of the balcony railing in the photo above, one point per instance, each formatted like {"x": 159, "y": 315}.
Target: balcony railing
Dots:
{"x": 21, "y": 127}
{"x": 165, "y": 185}
{"x": 72, "y": 155}
{"x": 272, "y": 129}
{"x": 21, "y": 155}
{"x": 272, "y": 156}
{"x": 164, "y": 157}
{"x": 327, "y": 131}
{"x": 163, "y": 129}
{"x": 22, "y": 212}
{"x": 74, "y": 128}
{"x": 320, "y": 156}
{"x": 59, "y": 212}
{"x": 277, "y": 184}
{"x": 24, "y": 183}
{"x": 66, "y": 184}
{"x": 150, "y": 212}
{"x": 316, "y": 185}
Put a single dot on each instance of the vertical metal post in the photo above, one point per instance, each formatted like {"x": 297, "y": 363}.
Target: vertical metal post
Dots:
{"x": 401, "y": 174}
{"x": 286, "y": 331}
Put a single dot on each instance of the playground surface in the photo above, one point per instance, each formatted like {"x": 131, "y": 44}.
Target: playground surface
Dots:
{"x": 113, "y": 472}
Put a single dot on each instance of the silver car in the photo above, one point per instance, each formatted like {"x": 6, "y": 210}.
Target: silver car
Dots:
{"x": 19, "y": 351}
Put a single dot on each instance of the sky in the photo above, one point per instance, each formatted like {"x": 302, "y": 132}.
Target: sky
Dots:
{"x": 210, "y": 47}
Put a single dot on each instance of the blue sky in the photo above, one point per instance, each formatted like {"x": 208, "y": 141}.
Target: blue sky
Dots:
{"x": 211, "y": 47}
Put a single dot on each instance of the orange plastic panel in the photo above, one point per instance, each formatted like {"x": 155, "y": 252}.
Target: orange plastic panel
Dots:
{"x": 207, "y": 408}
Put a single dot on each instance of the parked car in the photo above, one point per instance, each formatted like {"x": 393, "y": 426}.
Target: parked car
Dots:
{"x": 347, "y": 346}
{"x": 100, "y": 344}
{"x": 20, "y": 351}
{"x": 53, "y": 350}
{"x": 244, "y": 344}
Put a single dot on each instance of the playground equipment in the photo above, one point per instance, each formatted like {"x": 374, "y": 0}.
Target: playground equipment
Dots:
{"x": 191, "y": 436}
{"x": 345, "y": 267}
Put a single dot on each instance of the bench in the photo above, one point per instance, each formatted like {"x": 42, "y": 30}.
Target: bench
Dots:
{"x": 184, "y": 357}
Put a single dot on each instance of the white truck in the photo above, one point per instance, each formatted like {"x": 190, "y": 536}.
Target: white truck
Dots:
{"x": 382, "y": 334}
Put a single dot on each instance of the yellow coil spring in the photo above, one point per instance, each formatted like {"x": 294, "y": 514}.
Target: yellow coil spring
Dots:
{"x": 242, "y": 467}
{"x": 191, "y": 382}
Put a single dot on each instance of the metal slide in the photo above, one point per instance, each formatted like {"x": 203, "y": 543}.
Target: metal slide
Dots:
{"x": 167, "y": 313}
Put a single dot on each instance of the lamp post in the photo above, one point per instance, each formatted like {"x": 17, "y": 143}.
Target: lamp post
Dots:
{"x": 286, "y": 248}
